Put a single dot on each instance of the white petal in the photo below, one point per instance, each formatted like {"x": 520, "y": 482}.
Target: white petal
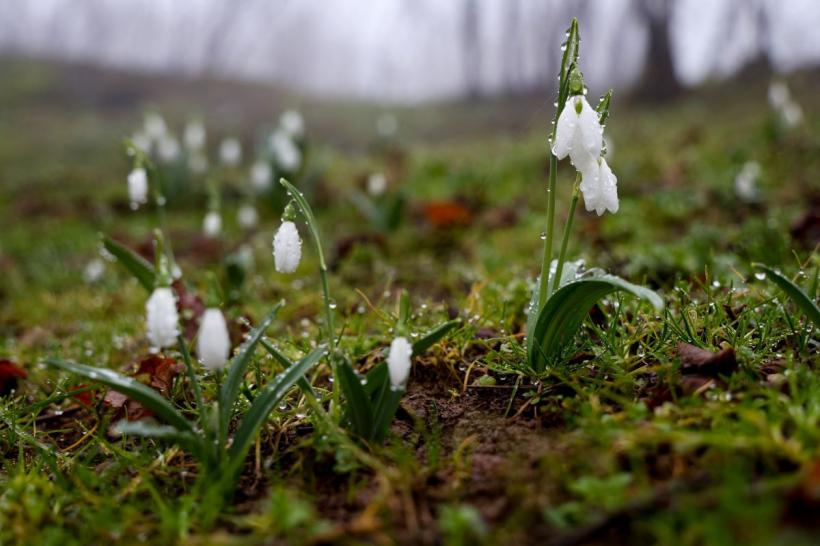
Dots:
{"x": 287, "y": 248}
{"x": 162, "y": 318}
{"x": 213, "y": 342}
{"x": 565, "y": 130}
{"x": 590, "y": 128}
{"x": 398, "y": 361}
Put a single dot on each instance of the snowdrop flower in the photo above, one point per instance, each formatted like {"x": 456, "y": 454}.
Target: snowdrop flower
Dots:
{"x": 198, "y": 163}
{"x": 154, "y": 126}
{"x": 600, "y": 187}
{"x": 141, "y": 141}
{"x": 287, "y": 248}
{"x": 746, "y": 181}
{"x": 292, "y": 123}
{"x": 578, "y": 134}
{"x": 247, "y": 217}
{"x": 778, "y": 95}
{"x": 792, "y": 114}
{"x": 261, "y": 175}
{"x": 376, "y": 184}
{"x": 213, "y": 344}
{"x": 138, "y": 187}
{"x": 161, "y": 318}
{"x": 285, "y": 151}
{"x": 168, "y": 148}
{"x": 194, "y": 136}
{"x": 93, "y": 271}
{"x": 230, "y": 151}
{"x": 212, "y": 224}
{"x": 398, "y": 362}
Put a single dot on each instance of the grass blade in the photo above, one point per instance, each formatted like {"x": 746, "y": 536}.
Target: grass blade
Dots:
{"x": 430, "y": 338}
{"x": 147, "y": 429}
{"x": 266, "y": 400}
{"x": 358, "y": 403}
{"x": 138, "y": 266}
{"x": 564, "y": 312}
{"x": 238, "y": 366}
{"x": 143, "y": 394}
{"x": 303, "y": 383}
{"x": 795, "y": 293}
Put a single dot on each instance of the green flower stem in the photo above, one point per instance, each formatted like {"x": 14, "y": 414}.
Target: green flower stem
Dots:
{"x": 189, "y": 367}
{"x": 563, "y": 252}
{"x": 545, "y": 263}
{"x": 222, "y": 432}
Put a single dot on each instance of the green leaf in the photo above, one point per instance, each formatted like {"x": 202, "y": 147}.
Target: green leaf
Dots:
{"x": 430, "y": 338}
{"x": 266, "y": 400}
{"x": 238, "y": 366}
{"x": 368, "y": 209}
{"x": 385, "y": 409}
{"x": 133, "y": 262}
{"x": 303, "y": 383}
{"x": 797, "y": 295}
{"x": 374, "y": 379}
{"x": 603, "y": 107}
{"x": 147, "y": 429}
{"x": 143, "y": 394}
{"x": 565, "y": 310}
{"x": 358, "y": 403}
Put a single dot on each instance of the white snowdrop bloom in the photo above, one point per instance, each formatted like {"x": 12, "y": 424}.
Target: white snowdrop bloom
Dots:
{"x": 213, "y": 344}
{"x": 600, "y": 187}
{"x": 387, "y": 125}
{"x": 230, "y": 151}
{"x": 162, "y": 318}
{"x": 168, "y": 148}
{"x": 376, "y": 184}
{"x": 212, "y": 224}
{"x": 292, "y": 123}
{"x": 285, "y": 152}
{"x": 578, "y": 134}
{"x": 141, "y": 141}
{"x": 194, "y": 136}
{"x": 287, "y": 248}
{"x": 93, "y": 271}
{"x": 261, "y": 175}
{"x": 138, "y": 187}
{"x": 154, "y": 126}
{"x": 746, "y": 181}
{"x": 792, "y": 114}
{"x": 398, "y": 362}
{"x": 198, "y": 163}
{"x": 247, "y": 217}
{"x": 778, "y": 94}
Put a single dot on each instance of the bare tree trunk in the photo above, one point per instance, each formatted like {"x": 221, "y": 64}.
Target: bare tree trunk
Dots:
{"x": 658, "y": 82}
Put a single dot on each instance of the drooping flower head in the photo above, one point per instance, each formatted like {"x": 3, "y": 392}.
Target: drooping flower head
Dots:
{"x": 376, "y": 184}
{"x": 261, "y": 175}
{"x": 194, "y": 136}
{"x": 287, "y": 248}
{"x": 398, "y": 362}
{"x": 162, "y": 318}
{"x": 247, "y": 217}
{"x": 213, "y": 344}
{"x": 285, "y": 152}
{"x": 168, "y": 148}
{"x": 230, "y": 152}
{"x": 578, "y": 134}
{"x": 599, "y": 187}
{"x": 138, "y": 187}
{"x": 292, "y": 123}
{"x": 212, "y": 224}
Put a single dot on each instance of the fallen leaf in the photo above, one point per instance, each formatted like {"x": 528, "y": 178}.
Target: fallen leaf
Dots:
{"x": 85, "y": 398}
{"x": 10, "y": 374}
{"x": 697, "y": 361}
{"x": 447, "y": 214}
{"x": 159, "y": 372}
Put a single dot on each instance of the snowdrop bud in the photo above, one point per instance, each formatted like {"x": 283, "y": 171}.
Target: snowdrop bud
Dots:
{"x": 398, "y": 361}
{"x": 230, "y": 152}
{"x": 792, "y": 114}
{"x": 212, "y": 224}
{"x": 213, "y": 344}
{"x": 154, "y": 126}
{"x": 578, "y": 134}
{"x": 138, "y": 187}
{"x": 746, "y": 182}
{"x": 168, "y": 148}
{"x": 778, "y": 95}
{"x": 161, "y": 318}
{"x": 93, "y": 271}
{"x": 287, "y": 248}
{"x": 292, "y": 123}
{"x": 194, "y": 136}
{"x": 376, "y": 184}
{"x": 600, "y": 188}
{"x": 247, "y": 217}
{"x": 287, "y": 154}
{"x": 261, "y": 176}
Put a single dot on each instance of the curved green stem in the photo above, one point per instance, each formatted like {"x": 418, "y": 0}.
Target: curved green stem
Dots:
{"x": 565, "y": 238}
{"x": 548, "y": 234}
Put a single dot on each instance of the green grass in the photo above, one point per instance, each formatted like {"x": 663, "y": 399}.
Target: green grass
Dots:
{"x": 618, "y": 446}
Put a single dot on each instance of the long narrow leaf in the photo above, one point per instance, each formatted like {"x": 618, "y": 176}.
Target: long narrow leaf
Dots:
{"x": 147, "y": 429}
{"x": 358, "y": 403}
{"x": 143, "y": 394}
{"x": 238, "y": 366}
{"x": 430, "y": 338}
{"x": 138, "y": 266}
{"x": 565, "y": 311}
{"x": 266, "y": 400}
{"x": 795, "y": 293}
{"x": 384, "y": 410}
{"x": 303, "y": 383}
